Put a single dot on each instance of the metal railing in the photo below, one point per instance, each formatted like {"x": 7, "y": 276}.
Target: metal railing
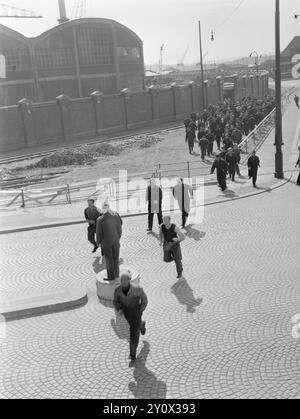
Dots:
{"x": 257, "y": 137}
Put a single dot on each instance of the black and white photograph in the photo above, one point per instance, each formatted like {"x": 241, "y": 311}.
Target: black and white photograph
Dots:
{"x": 149, "y": 202}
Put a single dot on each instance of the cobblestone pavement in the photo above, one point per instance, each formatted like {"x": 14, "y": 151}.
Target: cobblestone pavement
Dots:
{"x": 224, "y": 331}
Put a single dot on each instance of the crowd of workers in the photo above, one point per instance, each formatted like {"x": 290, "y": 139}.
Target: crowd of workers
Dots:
{"x": 225, "y": 124}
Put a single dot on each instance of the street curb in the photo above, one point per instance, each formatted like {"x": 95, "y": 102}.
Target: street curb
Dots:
{"x": 77, "y": 222}
{"x": 44, "y": 310}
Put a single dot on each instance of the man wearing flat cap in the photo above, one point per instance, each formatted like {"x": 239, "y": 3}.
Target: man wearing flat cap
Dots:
{"x": 131, "y": 300}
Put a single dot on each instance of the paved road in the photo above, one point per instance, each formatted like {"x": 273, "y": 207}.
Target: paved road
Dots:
{"x": 223, "y": 331}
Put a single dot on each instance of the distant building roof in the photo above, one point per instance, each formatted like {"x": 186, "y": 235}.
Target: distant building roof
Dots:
{"x": 293, "y": 47}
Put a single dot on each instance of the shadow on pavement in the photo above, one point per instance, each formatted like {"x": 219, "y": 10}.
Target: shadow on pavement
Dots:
{"x": 155, "y": 235}
{"x": 230, "y": 194}
{"x": 120, "y": 327}
{"x": 98, "y": 267}
{"x": 260, "y": 188}
{"x": 185, "y": 295}
{"x": 146, "y": 385}
{"x": 193, "y": 233}
{"x": 240, "y": 182}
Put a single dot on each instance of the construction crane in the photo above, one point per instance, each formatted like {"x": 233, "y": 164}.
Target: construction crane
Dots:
{"x": 79, "y": 9}
{"x": 181, "y": 61}
{"x": 16, "y": 12}
{"x": 160, "y": 63}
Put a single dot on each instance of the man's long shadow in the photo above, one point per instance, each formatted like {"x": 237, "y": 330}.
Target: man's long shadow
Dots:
{"x": 193, "y": 233}
{"x": 121, "y": 327}
{"x": 98, "y": 267}
{"x": 260, "y": 188}
{"x": 228, "y": 193}
{"x": 185, "y": 295}
{"x": 146, "y": 385}
{"x": 155, "y": 235}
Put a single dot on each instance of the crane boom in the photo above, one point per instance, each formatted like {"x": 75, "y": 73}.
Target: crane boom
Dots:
{"x": 79, "y": 9}
{"x": 181, "y": 61}
{"x": 16, "y": 12}
{"x": 160, "y": 64}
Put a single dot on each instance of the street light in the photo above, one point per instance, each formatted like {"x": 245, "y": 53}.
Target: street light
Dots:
{"x": 201, "y": 66}
{"x": 256, "y": 59}
{"x": 278, "y": 130}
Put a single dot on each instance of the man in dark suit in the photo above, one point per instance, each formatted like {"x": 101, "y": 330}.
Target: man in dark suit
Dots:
{"x": 154, "y": 197}
{"x": 253, "y": 165}
{"x": 91, "y": 215}
{"x": 131, "y": 301}
{"x": 108, "y": 234}
{"x": 221, "y": 166}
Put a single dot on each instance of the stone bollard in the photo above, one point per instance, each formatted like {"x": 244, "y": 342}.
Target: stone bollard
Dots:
{"x": 97, "y": 98}
{"x": 106, "y": 289}
{"x": 26, "y": 107}
{"x": 64, "y": 103}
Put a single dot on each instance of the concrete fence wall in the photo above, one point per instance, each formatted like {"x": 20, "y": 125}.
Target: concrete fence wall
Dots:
{"x": 31, "y": 124}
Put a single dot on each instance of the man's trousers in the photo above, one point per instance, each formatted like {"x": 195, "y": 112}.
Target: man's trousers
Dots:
{"x": 111, "y": 254}
{"x": 91, "y": 235}
{"x": 222, "y": 182}
{"x": 135, "y": 330}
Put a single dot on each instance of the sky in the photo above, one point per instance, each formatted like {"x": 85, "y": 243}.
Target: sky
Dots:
{"x": 240, "y": 26}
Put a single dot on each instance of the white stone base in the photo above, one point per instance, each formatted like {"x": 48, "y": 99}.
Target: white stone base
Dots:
{"x": 106, "y": 289}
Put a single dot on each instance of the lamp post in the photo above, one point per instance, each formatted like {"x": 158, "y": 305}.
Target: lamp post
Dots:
{"x": 201, "y": 65}
{"x": 278, "y": 130}
{"x": 256, "y": 59}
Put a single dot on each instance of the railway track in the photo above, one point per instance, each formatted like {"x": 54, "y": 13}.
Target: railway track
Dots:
{"x": 94, "y": 141}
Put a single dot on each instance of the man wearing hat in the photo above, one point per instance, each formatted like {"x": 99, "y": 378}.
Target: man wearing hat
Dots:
{"x": 131, "y": 301}
{"x": 91, "y": 215}
{"x": 222, "y": 167}
{"x": 253, "y": 165}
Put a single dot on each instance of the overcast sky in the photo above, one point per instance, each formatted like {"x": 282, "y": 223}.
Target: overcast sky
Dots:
{"x": 240, "y": 26}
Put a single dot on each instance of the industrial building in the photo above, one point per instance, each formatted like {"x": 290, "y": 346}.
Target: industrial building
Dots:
{"x": 74, "y": 58}
{"x": 289, "y": 57}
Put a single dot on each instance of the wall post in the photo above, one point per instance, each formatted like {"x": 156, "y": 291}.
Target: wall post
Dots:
{"x": 97, "y": 100}
{"x": 64, "y": 103}
{"x": 26, "y": 107}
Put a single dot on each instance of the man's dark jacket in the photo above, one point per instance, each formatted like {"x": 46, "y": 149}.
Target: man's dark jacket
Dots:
{"x": 109, "y": 229}
{"x": 133, "y": 304}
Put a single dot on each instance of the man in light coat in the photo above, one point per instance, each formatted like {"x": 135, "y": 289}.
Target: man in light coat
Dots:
{"x": 183, "y": 193}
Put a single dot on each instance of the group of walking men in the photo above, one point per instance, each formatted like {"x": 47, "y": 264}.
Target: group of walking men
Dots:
{"x": 105, "y": 232}
{"x": 225, "y": 124}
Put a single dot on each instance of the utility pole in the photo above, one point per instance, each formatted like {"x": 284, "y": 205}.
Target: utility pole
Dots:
{"x": 201, "y": 65}
{"x": 160, "y": 64}
{"x": 256, "y": 60}
{"x": 62, "y": 12}
{"x": 278, "y": 130}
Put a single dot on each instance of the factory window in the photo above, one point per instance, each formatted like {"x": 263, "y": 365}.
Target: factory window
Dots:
{"x": 17, "y": 60}
{"x": 54, "y": 58}
{"x": 128, "y": 53}
{"x": 94, "y": 46}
